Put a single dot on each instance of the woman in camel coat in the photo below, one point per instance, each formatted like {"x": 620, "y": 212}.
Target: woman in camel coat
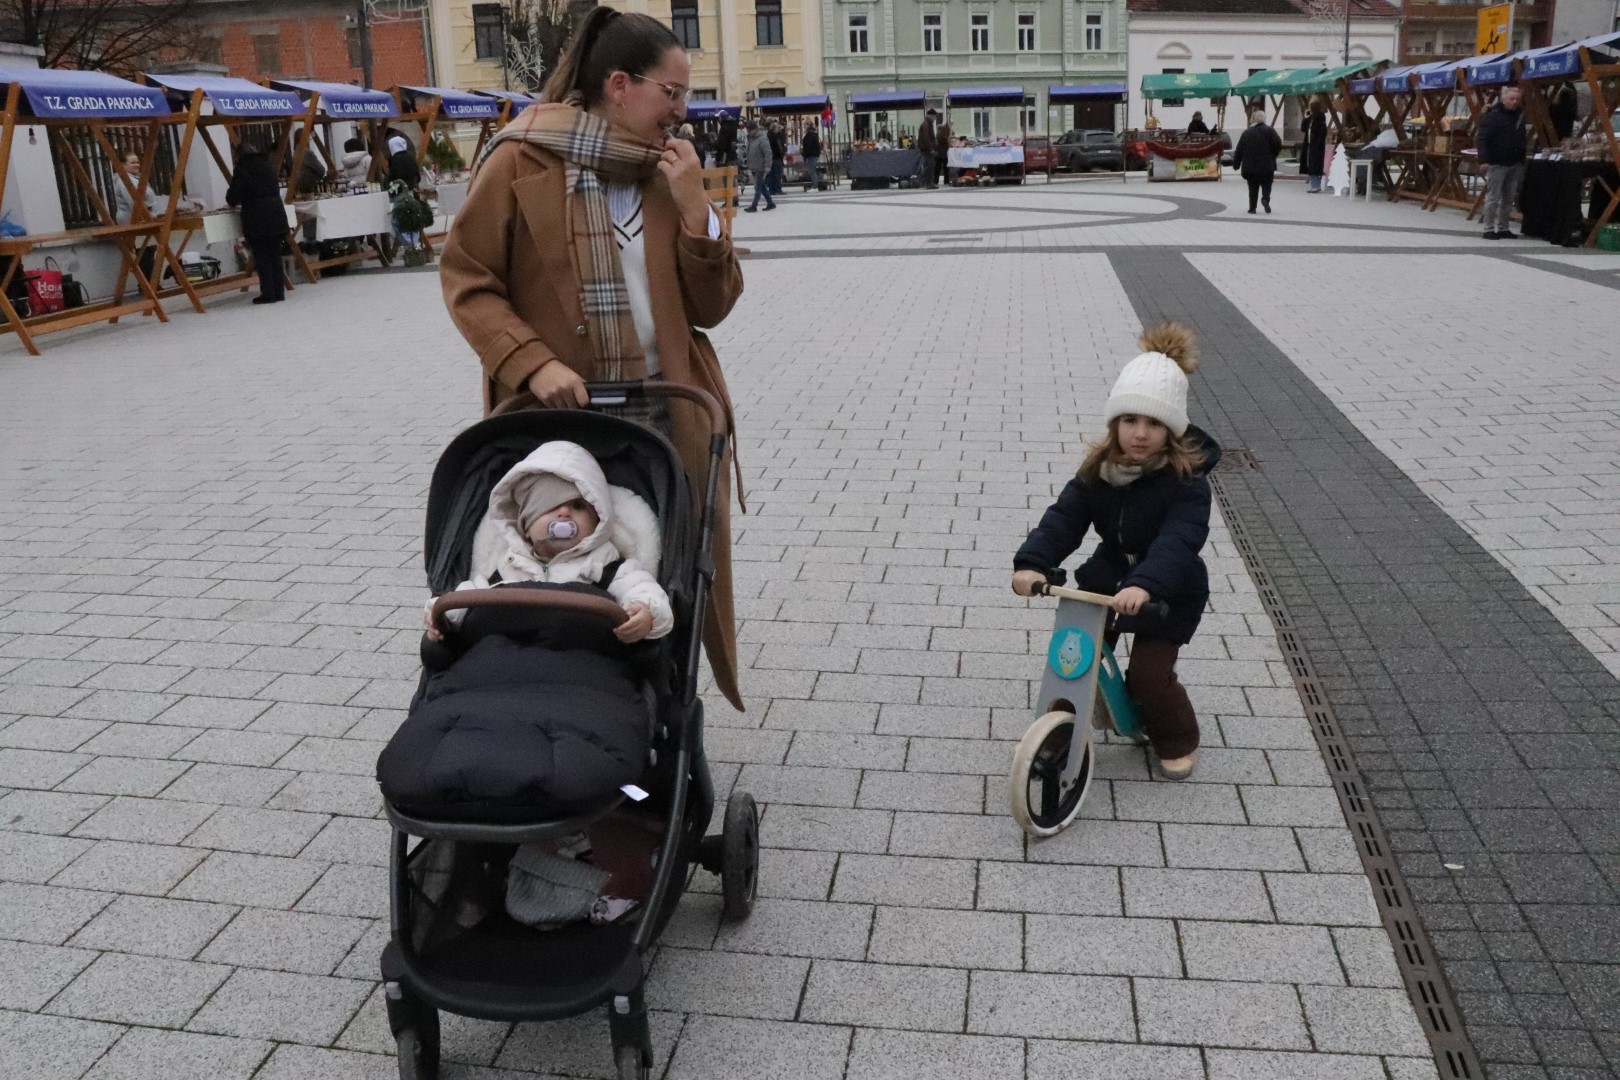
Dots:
{"x": 512, "y": 276}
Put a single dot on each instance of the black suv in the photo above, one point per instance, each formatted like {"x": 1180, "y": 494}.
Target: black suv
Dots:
{"x": 1082, "y": 151}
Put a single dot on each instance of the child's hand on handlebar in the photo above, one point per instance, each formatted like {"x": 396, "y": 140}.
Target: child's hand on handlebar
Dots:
{"x": 1129, "y": 600}
{"x": 637, "y": 626}
{"x": 1024, "y": 581}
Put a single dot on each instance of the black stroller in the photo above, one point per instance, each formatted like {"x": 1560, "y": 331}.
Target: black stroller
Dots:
{"x": 500, "y": 969}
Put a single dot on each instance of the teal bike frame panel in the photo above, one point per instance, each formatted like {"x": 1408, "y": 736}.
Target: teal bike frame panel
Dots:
{"x": 1121, "y": 709}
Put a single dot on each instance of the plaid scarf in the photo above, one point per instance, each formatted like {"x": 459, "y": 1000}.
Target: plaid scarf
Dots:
{"x": 593, "y": 151}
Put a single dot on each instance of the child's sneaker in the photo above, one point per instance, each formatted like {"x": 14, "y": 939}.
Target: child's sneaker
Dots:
{"x": 1176, "y": 768}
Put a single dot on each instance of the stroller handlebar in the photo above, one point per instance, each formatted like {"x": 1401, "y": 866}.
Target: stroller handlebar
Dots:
{"x": 617, "y": 393}
{"x": 533, "y": 598}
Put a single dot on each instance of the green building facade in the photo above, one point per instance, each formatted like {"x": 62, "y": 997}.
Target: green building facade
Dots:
{"x": 939, "y": 45}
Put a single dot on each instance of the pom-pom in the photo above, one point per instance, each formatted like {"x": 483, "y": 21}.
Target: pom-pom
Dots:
{"x": 1174, "y": 340}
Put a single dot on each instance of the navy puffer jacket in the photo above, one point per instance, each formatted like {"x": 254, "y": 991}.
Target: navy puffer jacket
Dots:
{"x": 1151, "y": 533}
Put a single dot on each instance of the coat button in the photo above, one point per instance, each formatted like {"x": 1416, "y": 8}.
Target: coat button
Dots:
{"x": 581, "y": 330}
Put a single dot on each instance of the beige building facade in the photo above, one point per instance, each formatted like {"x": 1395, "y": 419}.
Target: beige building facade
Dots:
{"x": 466, "y": 45}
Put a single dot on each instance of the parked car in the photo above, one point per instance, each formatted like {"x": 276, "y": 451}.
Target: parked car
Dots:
{"x": 1082, "y": 151}
{"x": 1039, "y": 154}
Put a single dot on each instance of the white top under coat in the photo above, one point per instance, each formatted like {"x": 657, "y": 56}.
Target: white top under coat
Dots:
{"x": 624, "y": 203}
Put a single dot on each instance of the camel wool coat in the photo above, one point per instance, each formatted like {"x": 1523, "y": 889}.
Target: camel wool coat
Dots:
{"x": 511, "y": 289}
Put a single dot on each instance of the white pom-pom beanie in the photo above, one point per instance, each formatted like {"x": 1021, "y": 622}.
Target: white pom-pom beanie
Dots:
{"x": 1151, "y": 385}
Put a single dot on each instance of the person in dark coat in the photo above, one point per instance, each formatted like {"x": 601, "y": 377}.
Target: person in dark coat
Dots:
{"x": 1564, "y": 111}
{"x": 725, "y": 143}
{"x": 1145, "y": 490}
{"x": 1316, "y": 128}
{"x": 256, "y": 192}
{"x": 1503, "y": 144}
{"x": 928, "y": 146}
{"x": 1255, "y": 158}
{"x": 1196, "y": 125}
{"x": 810, "y": 148}
{"x": 402, "y": 164}
{"x": 778, "y": 141}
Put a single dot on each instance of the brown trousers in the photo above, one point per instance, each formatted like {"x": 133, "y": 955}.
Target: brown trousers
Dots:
{"x": 1167, "y": 713}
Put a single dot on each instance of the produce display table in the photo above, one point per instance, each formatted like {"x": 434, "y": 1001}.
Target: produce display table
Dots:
{"x": 343, "y": 216}
{"x": 978, "y": 157}
{"x": 1551, "y": 198}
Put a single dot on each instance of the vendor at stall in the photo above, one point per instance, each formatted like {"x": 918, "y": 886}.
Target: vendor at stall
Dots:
{"x": 256, "y": 193}
{"x": 355, "y": 162}
{"x": 402, "y": 164}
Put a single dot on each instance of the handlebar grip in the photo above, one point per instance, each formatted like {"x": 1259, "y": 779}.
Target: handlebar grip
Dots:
{"x": 1157, "y": 609}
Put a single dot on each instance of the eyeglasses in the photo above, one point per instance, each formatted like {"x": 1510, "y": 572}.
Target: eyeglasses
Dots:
{"x": 674, "y": 91}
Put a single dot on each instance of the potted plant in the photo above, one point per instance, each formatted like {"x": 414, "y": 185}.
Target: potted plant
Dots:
{"x": 412, "y": 217}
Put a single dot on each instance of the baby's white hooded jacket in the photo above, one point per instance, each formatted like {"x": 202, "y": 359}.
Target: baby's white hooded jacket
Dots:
{"x": 628, "y": 530}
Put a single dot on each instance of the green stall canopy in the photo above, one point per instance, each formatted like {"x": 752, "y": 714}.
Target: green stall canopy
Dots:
{"x": 1275, "y": 82}
{"x": 1325, "y": 81}
{"x": 1213, "y": 85}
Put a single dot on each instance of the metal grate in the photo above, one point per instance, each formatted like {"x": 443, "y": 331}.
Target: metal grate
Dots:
{"x": 1425, "y": 984}
{"x": 1237, "y": 459}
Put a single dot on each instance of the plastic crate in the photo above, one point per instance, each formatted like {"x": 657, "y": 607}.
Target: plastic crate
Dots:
{"x": 1609, "y": 238}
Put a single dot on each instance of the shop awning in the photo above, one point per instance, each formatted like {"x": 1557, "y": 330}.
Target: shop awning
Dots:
{"x": 1563, "y": 61}
{"x": 1490, "y": 70}
{"x": 885, "y": 100}
{"x": 1281, "y": 81}
{"x": 984, "y": 97}
{"x": 1114, "y": 92}
{"x": 793, "y": 106}
{"x": 711, "y": 110}
{"x": 232, "y": 97}
{"x": 1398, "y": 80}
{"x": 1213, "y": 85}
{"x": 1441, "y": 76}
{"x": 87, "y": 95}
{"x": 516, "y": 96}
{"x": 1323, "y": 82}
{"x": 1373, "y": 83}
{"x": 459, "y": 104}
{"x": 341, "y": 101}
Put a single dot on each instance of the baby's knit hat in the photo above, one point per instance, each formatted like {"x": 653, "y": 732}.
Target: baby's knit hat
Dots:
{"x": 1155, "y": 383}
{"x": 539, "y": 492}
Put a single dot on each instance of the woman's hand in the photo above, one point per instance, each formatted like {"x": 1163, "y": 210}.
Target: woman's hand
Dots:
{"x": 683, "y": 170}
{"x": 1024, "y": 581}
{"x": 428, "y": 624}
{"x": 558, "y": 386}
{"x": 637, "y": 626}
{"x": 1129, "y": 600}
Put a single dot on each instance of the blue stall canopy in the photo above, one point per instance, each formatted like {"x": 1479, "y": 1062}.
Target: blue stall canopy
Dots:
{"x": 985, "y": 96}
{"x": 458, "y": 104}
{"x": 1399, "y": 80}
{"x": 517, "y": 97}
{"x": 711, "y": 110}
{"x": 1114, "y": 92}
{"x": 793, "y": 106}
{"x": 84, "y": 95}
{"x": 1564, "y": 61}
{"x": 232, "y": 97}
{"x": 1372, "y": 83}
{"x": 1443, "y": 77}
{"x": 1490, "y": 70}
{"x": 340, "y": 101}
{"x": 884, "y": 100}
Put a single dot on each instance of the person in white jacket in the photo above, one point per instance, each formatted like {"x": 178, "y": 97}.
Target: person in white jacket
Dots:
{"x": 554, "y": 517}
{"x": 355, "y": 162}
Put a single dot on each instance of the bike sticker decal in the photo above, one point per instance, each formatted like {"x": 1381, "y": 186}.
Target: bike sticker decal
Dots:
{"x": 1071, "y": 652}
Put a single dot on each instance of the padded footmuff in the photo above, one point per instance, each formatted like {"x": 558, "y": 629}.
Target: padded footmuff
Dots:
{"x": 516, "y": 732}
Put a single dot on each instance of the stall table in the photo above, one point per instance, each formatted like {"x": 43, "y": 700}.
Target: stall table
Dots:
{"x": 998, "y": 163}
{"x": 1552, "y": 195}
{"x": 885, "y": 164}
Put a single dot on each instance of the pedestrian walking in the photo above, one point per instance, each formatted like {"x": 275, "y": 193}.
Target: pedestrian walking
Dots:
{"x": 1255, "y": 158}
{"x": 942, "y": 156}
{"x": 928, "y": 147}
{"x": 1144, "y": 489}
{"x": 725, "y": 143}
{"x": 1503, "y": 144}
{"x": 549, "y": 298}
{"x": 759, "y": 166}
{"x": 255, "y": 191}
{"x": 810, "y": 148}
{"x": 1315, "y": 163}
{"x": 778, "y": 141}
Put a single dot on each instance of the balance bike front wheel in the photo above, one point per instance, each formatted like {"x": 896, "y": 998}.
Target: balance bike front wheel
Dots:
{"x": 1041, "y": 802}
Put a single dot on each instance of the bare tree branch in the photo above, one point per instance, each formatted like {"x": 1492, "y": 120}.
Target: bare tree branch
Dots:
{"x": 537, "y": 31}
{"x": 119, "y": 36}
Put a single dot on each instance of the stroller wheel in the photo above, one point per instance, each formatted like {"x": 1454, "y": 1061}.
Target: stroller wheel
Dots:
{"x": 418, "y": 1048}
{"x": 739, "y": 864}
{"x": 628, "y": 1060}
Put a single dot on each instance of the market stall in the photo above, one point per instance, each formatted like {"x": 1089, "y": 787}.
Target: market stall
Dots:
{"x": 512, "y": 102}
{"x": 1331, "y": 87}
{"x": 343, "y": 226}
{"x": 1177, "y": 155}
{"x": 874, "y": 165}
{"x": 1085, "y": 96}
{"x": 999, "y": 161}
{"x": 1555, "y": 200}
{"x": 433, "y": 109}
{"x": 230, "y": 108}
{"x": 796, "y": 114}
{"x": 1272, "y": 89}
{"x": 91, "y": 121}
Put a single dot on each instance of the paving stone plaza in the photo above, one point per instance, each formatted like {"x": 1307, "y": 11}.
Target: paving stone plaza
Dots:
{"x": 210, "y": 601}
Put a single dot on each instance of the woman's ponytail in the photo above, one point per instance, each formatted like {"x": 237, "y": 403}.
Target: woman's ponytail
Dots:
{"x": 564, "y": 79}
{"x": 607, "y": 41}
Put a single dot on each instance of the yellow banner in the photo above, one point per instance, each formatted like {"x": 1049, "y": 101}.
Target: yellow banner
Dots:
{"x": 1495, "y": 30}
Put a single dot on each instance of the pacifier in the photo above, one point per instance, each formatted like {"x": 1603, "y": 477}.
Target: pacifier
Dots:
{"x": 563, "y": 530}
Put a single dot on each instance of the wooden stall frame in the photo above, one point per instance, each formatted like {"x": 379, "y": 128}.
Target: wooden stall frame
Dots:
{"x": 310, "y": 136}
{"x": 124, "y": 237}
{"x": 1604, "y": 82}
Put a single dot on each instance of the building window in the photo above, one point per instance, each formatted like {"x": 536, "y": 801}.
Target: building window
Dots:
{"x": 210, "y": 50}
{"x": 771, "y": 91}
{"x": 489, "y": 31}
{"x": 705, "y": 95}
{"x": 860, "y": 40}
{"x": 863, "y": 126}
{"x": 981, "y": 123}
{"x": 267, "y": 53}
{"x": 683, "y": 19}
{"x": 933, "y": 32}
{"x": 1026, "y": 31}
{"x": 767, "y": 22}
{"x": 1094, "y": 28}
{"x": 980, "y": 26}
{"x": 1026, "y": 115}
{"x": 1173, "y": 103}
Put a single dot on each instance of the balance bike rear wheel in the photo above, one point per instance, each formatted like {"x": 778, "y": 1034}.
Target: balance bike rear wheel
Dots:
{"x": 1040, "y": 802}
